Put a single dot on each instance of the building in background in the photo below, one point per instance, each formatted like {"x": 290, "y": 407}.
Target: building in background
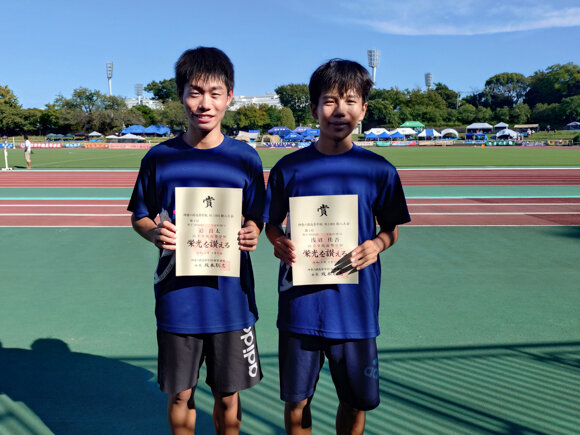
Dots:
{"x": 269, "y": 99}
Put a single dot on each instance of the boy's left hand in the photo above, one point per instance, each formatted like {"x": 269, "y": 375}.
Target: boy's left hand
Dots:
{"x": 364, "y": 255}
{"x": 248, "y": 237}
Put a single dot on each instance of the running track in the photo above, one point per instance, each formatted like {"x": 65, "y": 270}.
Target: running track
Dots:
{"x": 424, "y": 212}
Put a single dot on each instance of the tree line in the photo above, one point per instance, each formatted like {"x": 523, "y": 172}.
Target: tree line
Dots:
{"x": 547, "y": 97}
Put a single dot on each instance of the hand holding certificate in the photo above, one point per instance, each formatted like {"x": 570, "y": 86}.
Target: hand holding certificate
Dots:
{"x": 208, "y": 221}
{"x": 324, "y": 230}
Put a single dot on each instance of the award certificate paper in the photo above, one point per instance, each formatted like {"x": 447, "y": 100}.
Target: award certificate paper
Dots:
{"x": 208, "y": 220}
{"x": 324, "y": 230}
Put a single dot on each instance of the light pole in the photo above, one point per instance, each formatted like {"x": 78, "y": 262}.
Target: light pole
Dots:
{"x": 110, "y": 76}
{"x": 139, "y": 92}
{"x": 428, "y": 80}
{"x": 374, "y": 59}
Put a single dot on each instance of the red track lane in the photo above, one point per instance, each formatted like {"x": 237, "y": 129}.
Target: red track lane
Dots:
{"x": 501, "y": 211}
{"x": 409, "y": 177}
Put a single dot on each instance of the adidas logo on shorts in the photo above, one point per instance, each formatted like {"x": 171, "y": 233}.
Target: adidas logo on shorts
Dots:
{"x": 250, "y": 351}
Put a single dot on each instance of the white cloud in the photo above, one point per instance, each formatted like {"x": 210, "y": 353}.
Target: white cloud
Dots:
{"x": 456, "y": 17}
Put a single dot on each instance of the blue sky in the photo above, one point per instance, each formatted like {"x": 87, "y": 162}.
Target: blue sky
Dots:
{"x": 53, "y": 47}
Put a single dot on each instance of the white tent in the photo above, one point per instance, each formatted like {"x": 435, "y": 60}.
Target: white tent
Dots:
{"x": 507, "y": 132}
{"x": 449, "y": 131}
{"x": 376, "y": 131}
{"x": 500, "y": 126}
{"x": 406, "y": 131}
{"x": 483, "y": 126}
{"x": 131, "y": 136}
{"x": 95, "y": 134}
{"x": 429, "y": 132}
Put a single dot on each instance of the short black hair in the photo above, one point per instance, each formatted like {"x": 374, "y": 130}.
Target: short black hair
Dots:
{"x": 342, "y": 75}
{"x": 204, "y": 63}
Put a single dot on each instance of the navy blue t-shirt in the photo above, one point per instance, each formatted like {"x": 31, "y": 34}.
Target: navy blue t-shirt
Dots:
{"x": 342, "y": 310}
{"x": 200, "y": 304}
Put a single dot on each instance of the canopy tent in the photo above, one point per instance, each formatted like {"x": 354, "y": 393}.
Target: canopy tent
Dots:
{"x": 280, "y": 131}
{"x": 416, "y": 125}
{"x": 310, "y": 137}
{"x": 506, "y": 132}
{"x": 405, "y": 131}
{"x": 161, "y": 130}
{"x": 247, "y": 136}
{"x": 429, "y": 132}
{"x": 500, "y": 126}
{"x": 313, "y": 132}
{"x": 301, "y": 129}
{"x": 292, "y": 136}
{"x": 376, "y": 131}
{"x": 133, "y": 129}
{"x": 483, "y": 126}
{"x": 371, "y": 136}
{"x": 449, "y": 131}
{"x": 573, "y": 125}
{"x": 397, "y": 135}
{"x": 95, "y": 134}
{"x": 384, "y": 135}
{"x": 129, "y": 137}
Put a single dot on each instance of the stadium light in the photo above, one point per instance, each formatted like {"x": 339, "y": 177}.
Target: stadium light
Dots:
{"x": 374, "y": 59}
{"x": 139, "y": 92}
{"x": 428, "y": 80}
{"x": 110, "y": 76}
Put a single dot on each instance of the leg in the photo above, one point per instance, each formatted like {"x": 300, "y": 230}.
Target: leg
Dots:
{"x": 298, "y": 418}
{"x": 181, "y": 413}
{"x": 227, "y": 413}
{"x": 349, "y": 420}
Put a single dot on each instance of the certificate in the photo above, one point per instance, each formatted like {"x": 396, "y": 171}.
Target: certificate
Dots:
{"x": 208, "y": 220}
{"x": 324, "y": 230}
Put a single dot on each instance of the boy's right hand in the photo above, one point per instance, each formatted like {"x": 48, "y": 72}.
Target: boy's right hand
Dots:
{"x": 284, "y": 250}
{"x": 164, "y": 236}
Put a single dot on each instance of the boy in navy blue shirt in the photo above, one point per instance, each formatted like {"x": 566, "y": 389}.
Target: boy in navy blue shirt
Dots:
{"x": 201, "y": 318}
{"x": 336, "y": 321}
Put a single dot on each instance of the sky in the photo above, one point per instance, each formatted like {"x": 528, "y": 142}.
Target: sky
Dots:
{"x": 50, "y": 48}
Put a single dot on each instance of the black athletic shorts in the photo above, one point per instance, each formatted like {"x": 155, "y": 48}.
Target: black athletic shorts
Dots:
{"x": 231, "y": 359}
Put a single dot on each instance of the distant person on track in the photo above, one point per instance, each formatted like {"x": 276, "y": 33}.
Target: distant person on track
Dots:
{"x": 202, "y": 318}
{"x": 27, "y": 151}
{"x": 336, "y": 321}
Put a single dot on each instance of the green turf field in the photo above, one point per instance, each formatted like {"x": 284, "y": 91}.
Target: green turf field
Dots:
{"x": 399, "y": 156}
{"x": 480, "y": 334}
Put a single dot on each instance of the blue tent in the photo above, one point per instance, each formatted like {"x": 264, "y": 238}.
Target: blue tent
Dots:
{"x": 301, "y": 129}
{"x": 371, "y": 136}
{"x": 313, "y": 132}
{"x": 157, "y": 129}
{"x": 309, "y": 137}
{"x": 134, "y": 129}
{"x": 293, "y": 136}
{"x": 397, "y": 135}
{"x": 384, "y": 135}
{"x": 280, "y": 131}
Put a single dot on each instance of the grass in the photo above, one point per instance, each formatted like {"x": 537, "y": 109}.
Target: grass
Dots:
{"x": 78, "y": 158}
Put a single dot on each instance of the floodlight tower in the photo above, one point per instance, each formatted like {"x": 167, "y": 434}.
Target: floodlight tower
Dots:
{"x": 374, "y": 59}
{"x": 110, "y": 76}
{"x": 139, "y": 92}
{"x": 428, "y": 80}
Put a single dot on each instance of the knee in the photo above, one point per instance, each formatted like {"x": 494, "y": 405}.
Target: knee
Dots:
{"x": 297, "y": 406}
{"x": 182, "y": 399}
{"x": 227, "y": 401}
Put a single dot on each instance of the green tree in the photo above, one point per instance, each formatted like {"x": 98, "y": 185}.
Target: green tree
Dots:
{"x": 506, "y": 89}
{"x": 7, "y": 98}
{"x": 297, "y": 98}
{"x": 520, "y": 114}
{"x": 274, "y": 116}
{"x": 483, "y": 114}
{"x": 554, "y": 84}
{"x": 450, "y": 97}
{"x": 287, "y": 118}
{"x": 570, "y": 109}
{"x": 502, "y": 114}
{"x": 173, "y": 115}
{"x": 150, "y": 116}
{"x": 163, "y": 90}
{"x": 251, "y": 117}
{"x": 380, "y": 112}
{"x": 466, "y": 114}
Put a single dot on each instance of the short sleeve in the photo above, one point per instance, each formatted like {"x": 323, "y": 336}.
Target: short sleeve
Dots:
{"x": 391, "y": 206}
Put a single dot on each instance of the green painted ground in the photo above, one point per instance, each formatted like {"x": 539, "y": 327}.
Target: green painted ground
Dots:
{"x": 399, "y": 156}
{"x": 480, "y": 334}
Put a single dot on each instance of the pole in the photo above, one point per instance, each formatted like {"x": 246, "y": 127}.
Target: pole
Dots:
{"x": 5, "y": 145}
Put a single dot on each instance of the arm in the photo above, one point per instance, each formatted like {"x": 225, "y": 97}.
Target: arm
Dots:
{"x": 161, "y": 235}
{"x": 367, "y": 253}
{"x": 283, "y": 246}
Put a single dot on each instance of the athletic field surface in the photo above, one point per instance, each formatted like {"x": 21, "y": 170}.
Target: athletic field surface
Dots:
{"x": 480, "y": 310}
